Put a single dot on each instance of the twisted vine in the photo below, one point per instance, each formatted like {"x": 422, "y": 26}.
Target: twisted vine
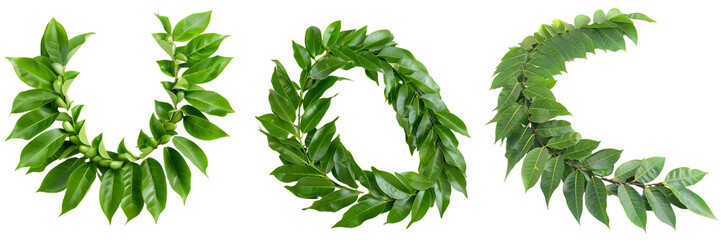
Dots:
{"x": 124, "y": 182}
{"x": 554, "y": 151}
{"x": 311, "y": 154}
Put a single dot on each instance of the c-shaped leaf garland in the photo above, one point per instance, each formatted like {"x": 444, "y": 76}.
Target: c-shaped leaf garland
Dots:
{"x": 125, "y": 180}
{"x": 310, "y": 154}
{"x": 554, "y": 152}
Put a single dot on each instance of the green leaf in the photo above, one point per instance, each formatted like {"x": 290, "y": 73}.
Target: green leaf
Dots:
{"x": 596, "y": 194}
{"x": 33, "y": 73}
{"x": 292, "y": 172}
{"x": 313, "y": 114}
{"x": 423, "y": 201}
{"x": 162, "y": 109}
{"x": 178, "y": 172}
{"x": 276, "y": 126}
{"x": 362, "y": 211}
{"x": 192, "y": 151}
{"x": 456, "y": 178}
{"x": 581, "y": 20}
{"x": 74, "y": 45}
{"x": 201, "y": 47}
{"x": 552, "y": 174}
{"x": 78, "y": 184}
{"x": 377, "y": 39}
{"x": 281, "y": 106}
{"x": 542, "y": 110}
{"x": 649, "y": 169}
{"x": 132, "y": 203}
{"x": 519, "y": 143}
{"x": 320, "y": 142}
{"x": 163, "y": 41}
{"x": 57, "y": 178}
{"x": 691, "y": 200}
{"x": 39, "y": 149}
{"x": 602, "y": 160}
{"x": 335, "y": 201}
{"x": 442, "y": 190}
{"x": 564, "y": 141}
{"x": 201, "y": 128}
{"x": 32, "y": 123}
{"x": 554, "y": 128}
{"x": 627, "y": 170}
{"x": 573, "y": 189}
{"x": 314, "y": 41}
{"x": 660, "y": 205}
{"x": 533, "y": 166}
{"x": 369, "y": 61}
{"x": 301, "y": 55}
{"x": 390, "y": 184}
{"x": 111, "y": 193}
{"x": 155, "y": 190}
{"x": 581, "y": 150}
{"x": 324, "y": 67}
{"x": 209, "y": 102}
{"x": 290, "y": 153}
{"x": 55, "y": 42}
{"x": 538, "y": 91}
{"x": 424, "y": 82}
{"x": 684, "y": 176}
{"x": 191, "y": 26}
{"x": 311, "y": 187}
{"x": 416, "y": 181}
{"x": 633, "y": 205}
{"x": 165, "y": 21}
{"x": 453, "y": 122}
{"x": 206, "y": 70}
{"x": 331, "y": 34}
{"x": 166, "y": 66}
{"x": 400, "y": 210}
{"x": 509, "y": 119}
{"x": 32, "y": 99}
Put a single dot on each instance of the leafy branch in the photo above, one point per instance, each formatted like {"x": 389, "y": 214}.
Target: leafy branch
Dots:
{"x": 124, "y": 183}
{"x": 312, "y": 152}
{"x": 554, "y": 152}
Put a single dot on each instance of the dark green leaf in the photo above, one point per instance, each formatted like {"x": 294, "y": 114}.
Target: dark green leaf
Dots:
{"x": 649, "y": 169}
{"x": 691, "y": 200}
{"x": 132, "y": 203}
{"x": 359, "y": 213}
{"x": 301, "y": 55}
{"x": 633, "y": 204}
{"x": 627, "y": 170}
{"x": 79, "y": 182}
{"x": 335, "y": 201}
{"x": 331, "y": 34}
{"x": 313, "y": 114}
{"x": 416, "y": 181}
{"x": 292, "y": 172}
{"x": 573, "y": 189}
{"x": 320, "y": 142}
{"x": 423, "y": 201}
{"x": 533, "y": 166}
{"x": 209, "y": 102}
{"x": 596, "y": 200}
{"x": 581, "y": 150}
{"x": 201, "y": 128}
{"x": 311, "y": 187}
{"x": 660, "y": 205}
{"x": 162, "y": 110}
{"x": 39, "y": 149}
{"x": 451, "y": 121}
{"x": 324, "y": 67}
{"x": 602, "y": 161}
{"x": 32, "y": 123}
{"x": 192, "y": 151}
{"x": 314, "y": 41}
{"x": 684, "y": 176}
{"x": 178, "y": 172}
{"x": 400, "y": 210}
{"x": 57, "y": 178}
{"x": 390, "y": 185}
{"x": 155, "y": 190}
{"x": 281, "y": 106}
{"x": 552, "y": 174}
{"x": 111, "y": 193}
{"x": 377, "y": 39}
{"x": 509, "y": 119}
{"x": 554, "y": 128}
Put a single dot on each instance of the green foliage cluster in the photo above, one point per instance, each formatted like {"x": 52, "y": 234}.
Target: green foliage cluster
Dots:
{"x": 127, "y": 180}
{"x": 555, "y": 152}
{"x": 311, "y": 153}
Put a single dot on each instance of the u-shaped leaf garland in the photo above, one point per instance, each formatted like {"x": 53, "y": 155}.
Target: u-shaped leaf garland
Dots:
{"x": 311, "y": 154}
{"x": 554, "y": 151}
{"x": 127, "y": 180}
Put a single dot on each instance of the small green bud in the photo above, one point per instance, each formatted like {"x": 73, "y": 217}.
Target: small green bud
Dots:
{"x": 164, "y": 139}
{"x": 58, "y": 85}
{"x": 154, "y": 142}
{"x": 58, "y": 68}
{"x": 59, "y": 101}
{"x": 115, "y": 165}
{"x": 75, "y": 140}
{"x": 83, "y": 148}
{"x": 177, "y": 116}
{"x": 170, "y": 126}
{"x": 96, "y": 159}
{"x": 181, "y": 56}
{"x": 181, "y": 95}
{"x": 105, "y": 162}
{"x": 91, "y": 152}
{"x": 68, "y": 127}
{"x": 122, "y": 157}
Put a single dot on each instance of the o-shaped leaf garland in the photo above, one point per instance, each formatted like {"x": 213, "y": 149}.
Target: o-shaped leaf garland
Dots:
{"x": 555, "y": 152}
{"x": 124, "y": 181}
{"x": 310, "y": 154}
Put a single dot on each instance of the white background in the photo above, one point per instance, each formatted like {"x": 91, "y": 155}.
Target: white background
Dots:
{"x": 656, "y": 99}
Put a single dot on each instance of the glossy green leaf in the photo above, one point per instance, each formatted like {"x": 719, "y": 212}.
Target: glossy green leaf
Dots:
{"x": 290, "y": 153}
{"x": 33, "y": 73}
{"x": 554, "y": 128}
{"x": 74, "y": 45}
{"x": 573, "y": 188}
{"x": 423, "y": 201}
{"x": 314, "y": 41}
{"x": 201, "y": 128}
{"x": 292, "y": 172}
{"x": 533, "y": 166}
{"x": 660, "y": 205}
{"x": 40, "y": 148}
{"x": 191, "y": 26}
{"x": 192, "y": 151}
{"x": 633, "y": 204}
{"x": 209, "y": 102}
{"x": 166, "y": 23}
{"x": 377, "y": 39}
{"x": 453, "y": 122}
{"x": 34, "y": 122}
{"x": 602, "y": 160}
{"x": 79, "y": 182}
{"x": 311, "y": 187}
{"x": 320, "y": 142}
{"x": 391, "y": 185}
{"x": 684, "y": 176}
{"x": 691, "y": 200}
{"x": 302, "y": 57}
{"x": 276, "y": 126}
{"x": 324, "y": 67}
{"x": 552, "y": 174}
{"x": 564, "y": 141}
{"x": 362, "y": 211}
{"x": 581, "y": 150}
{"x": 281, "y": 106}
{"x": 203, "y": 46}
{"x": 155, "y": 190}
{"x": 627, "y": 170}
{"x": 111, "y": 193}
{"x": 132, "y": 203}
{"x": 313, "y": 114}
{"x": 509, "y": 119}
{"x": 178, "y": 172}
{"x": 416, "y": 181}
{"x": 400, "y": 210}
{"x": 55, "y": 42}
{"x": 331, "y": 34}
{"x": 596, "y": 200}
{"x": 456, "y": 178}
{"x": 32, "y": 99}
{"x": 206, "y": 70}
{"x": 57, "y": 178}
{"x": 649, "y": 169}
{"x": 335, "y": 201}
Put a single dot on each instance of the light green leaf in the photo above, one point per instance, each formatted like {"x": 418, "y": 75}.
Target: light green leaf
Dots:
{"x": 41, "y": 148}
{"x": 201, "y": 128}
{"x": 155, "y": 190}
{"x": 191, "y": 26}
{"x": 57, "y": 178}
{"x": 331, "y": 34}
{"x": 55, "y": 42}
{"x": 111, "y": 193}
{"x": 33, "y": 73}
{"x": 132, "y": 203}
{"x": 192, "y": 151}
{"x": 178, "y": 172}
{"x": 201, "y": 47}
{"x": 32, "y": 99}
{"x": 320, "y": 142}
{"x": 32, "y": 123}
{"x": 209, "y": 102}
{"x": 206, "y": 70}
{"x": 78, "y": 184}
